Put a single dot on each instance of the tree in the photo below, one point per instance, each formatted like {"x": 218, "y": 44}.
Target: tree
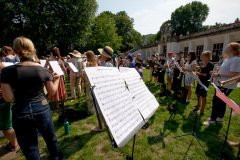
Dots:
{"x": 124, "y": 26}
{"x": 104, "y": 33}
{"x": 46, "y": 22}
{"x": 189, "y": 17}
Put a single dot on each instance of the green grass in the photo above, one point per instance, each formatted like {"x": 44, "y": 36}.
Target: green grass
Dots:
{"x": 157, "y": 141}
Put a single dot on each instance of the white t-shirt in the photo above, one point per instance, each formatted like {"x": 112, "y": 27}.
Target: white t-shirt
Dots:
{"x": 230, "y": 65}
{"x": 189, "y": 66}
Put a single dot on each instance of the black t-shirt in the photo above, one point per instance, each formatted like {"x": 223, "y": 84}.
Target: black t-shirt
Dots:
{"x": 27, "y": 82}
{"x": 206, "y": 70}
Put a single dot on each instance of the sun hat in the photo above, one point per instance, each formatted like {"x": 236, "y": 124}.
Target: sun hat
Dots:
{"x": 106, "y": 51}
{"x": 130, "y": 56}
{"x": 75, "y": 53}
{"x": 170, "y": 53}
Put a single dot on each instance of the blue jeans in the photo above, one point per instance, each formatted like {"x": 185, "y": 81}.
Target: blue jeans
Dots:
{"x": 28, "y": 120}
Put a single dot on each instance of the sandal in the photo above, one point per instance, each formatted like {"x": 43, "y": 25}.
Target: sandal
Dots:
{"x": 97, "y": 129}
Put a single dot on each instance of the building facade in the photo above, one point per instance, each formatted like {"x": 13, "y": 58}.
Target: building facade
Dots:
{"x": 213, "y": 39}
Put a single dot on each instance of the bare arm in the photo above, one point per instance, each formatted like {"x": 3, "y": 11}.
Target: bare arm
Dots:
{"x": 231, "y": 74}
{"x": 52, "y": 86}
{"x": 7, "y": 92}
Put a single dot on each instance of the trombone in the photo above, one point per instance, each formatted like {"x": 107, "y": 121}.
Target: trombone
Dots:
{"x": 230, "y": 81}
{"x": 215, "y": 69}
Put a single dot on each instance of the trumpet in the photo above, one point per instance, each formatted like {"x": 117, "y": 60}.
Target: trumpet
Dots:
{"x": 231, "y": 81}
{"x": 215, "y": 69}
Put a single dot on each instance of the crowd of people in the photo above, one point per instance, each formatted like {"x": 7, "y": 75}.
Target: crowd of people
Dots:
{"x": 27, "y": 83}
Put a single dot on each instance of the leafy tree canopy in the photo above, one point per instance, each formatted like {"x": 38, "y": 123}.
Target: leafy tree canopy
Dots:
{"x": 189, "y": 17}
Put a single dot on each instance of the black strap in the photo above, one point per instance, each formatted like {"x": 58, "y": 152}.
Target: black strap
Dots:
{"x": 105, "y": 50}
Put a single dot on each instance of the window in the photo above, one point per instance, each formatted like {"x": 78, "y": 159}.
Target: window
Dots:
{"x": 217, "y": 51}
{"x": 185, "y": 52}
{"x": 199, "y": 50}
{"x": 164, "y": 50}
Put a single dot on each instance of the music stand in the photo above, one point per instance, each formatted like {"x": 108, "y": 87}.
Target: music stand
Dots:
{"x": 180, "y": 95}
{"x": 196, "y": 115}
{"x": 234, "y": 106}
{"x": 163, "y": 92}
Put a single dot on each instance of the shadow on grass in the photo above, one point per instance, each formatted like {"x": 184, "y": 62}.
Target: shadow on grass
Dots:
{"x": 215, "y": 143}
{"x": 188, "y": 124}
{"x": 171, "y": 126}
{"x": 73, "y": 144}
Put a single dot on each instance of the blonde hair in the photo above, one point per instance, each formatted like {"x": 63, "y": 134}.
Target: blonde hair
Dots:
{"x": 236, "y": 48}
{"x": 208, "y": 54}
{"x": 91, "y": 60}
{"x": 24, "y": 47}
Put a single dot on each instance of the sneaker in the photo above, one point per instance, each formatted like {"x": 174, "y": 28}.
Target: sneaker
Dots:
{"x": 13, "y": 148}
{"x": 208, "y": 122}
{"x": 219, "y": 120}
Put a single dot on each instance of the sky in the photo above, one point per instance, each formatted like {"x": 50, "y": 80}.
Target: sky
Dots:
{"x": 149, "y": 15}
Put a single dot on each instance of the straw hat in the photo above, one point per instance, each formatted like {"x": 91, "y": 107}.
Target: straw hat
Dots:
{"x": 75, "y": 53}
{"x": 106, "y": 51}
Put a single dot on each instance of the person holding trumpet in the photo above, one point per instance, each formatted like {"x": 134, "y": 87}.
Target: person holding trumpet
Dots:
{"x": 229, "y": 68}
{"x": 204, "y": 74}
{"x": 177, "y": 76}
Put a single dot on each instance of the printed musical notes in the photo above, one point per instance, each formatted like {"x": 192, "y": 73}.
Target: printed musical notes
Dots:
{"x": 115, "y": 103}
{"x": 146, "y": 102}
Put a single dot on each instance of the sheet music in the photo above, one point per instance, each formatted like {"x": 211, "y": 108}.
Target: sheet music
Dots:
{"x": 42, "y": 62}
{"x": 56, "y": 68}
{"x": 145, "y": 100}
{"x": 7, "y": 64}
{"x": 73, "y": 68}
{"x": 178, "y": 66}
{"x": 115, "y": 103}
{"x": 199, "y": 81}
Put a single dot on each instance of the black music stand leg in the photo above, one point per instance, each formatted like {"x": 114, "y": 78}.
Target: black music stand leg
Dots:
{"x": 171, "y": 116}
{"x": 180, "y": 114}
{"x": 175, "y": 109}
{"x": 131, "y": 157}
{"x": 222, "y": 156}
{"x": 194, "y": 127}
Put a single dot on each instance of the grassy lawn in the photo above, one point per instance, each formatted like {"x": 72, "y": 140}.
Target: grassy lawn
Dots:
{"x": 157, "y": 141}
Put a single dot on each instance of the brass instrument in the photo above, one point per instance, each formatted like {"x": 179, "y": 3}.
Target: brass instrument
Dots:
{"x": 180, "y": 69}
{"x": 160, "y": 64}
{"x": 230, "y": 81}
{"x": 215, "y": 70}
{"x": 198, "y": 69}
